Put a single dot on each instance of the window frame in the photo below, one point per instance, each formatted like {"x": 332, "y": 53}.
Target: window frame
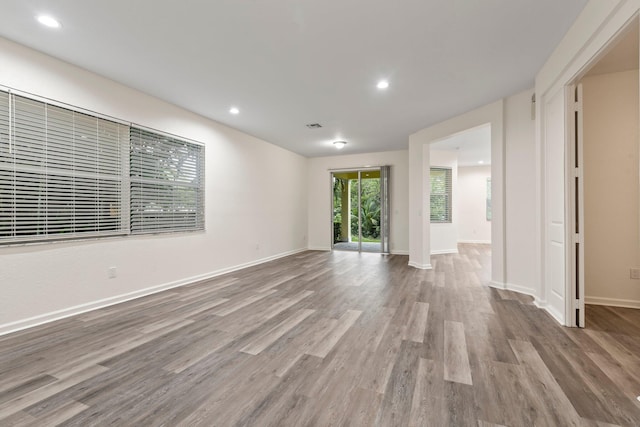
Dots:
{"x": 123, "y": 209}
{"x": 47, "y": 147}
{"x": 447, "y": 194}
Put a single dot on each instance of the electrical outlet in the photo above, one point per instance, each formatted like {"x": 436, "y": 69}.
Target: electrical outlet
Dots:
{"x": 635, "y": 273}
{"x": 112, "y": 273}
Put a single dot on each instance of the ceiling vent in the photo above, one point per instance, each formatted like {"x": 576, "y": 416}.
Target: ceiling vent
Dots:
{"x": 314, "y": 125}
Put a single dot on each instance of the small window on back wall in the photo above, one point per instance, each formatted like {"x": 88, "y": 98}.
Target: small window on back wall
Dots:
{"x": 440, "y": 195}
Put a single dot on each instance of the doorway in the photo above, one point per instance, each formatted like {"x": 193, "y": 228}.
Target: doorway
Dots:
{"x": 360, "y": 210}
{"x": 460, "y": 189}
{"x": 604, "y": 189}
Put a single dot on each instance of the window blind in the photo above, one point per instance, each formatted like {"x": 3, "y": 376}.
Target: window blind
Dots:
{"x": 61, "y": 172}
{"x": 167, "y": 183}
{"x": 440, "y": 195}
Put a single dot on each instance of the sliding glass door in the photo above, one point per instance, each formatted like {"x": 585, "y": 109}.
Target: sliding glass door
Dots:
{"x": 360, "y": 210}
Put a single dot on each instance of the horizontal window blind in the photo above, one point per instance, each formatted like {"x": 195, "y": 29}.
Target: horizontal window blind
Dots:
{"x": 61, "y": 172}
{"x": 167, "y": 183}
{"x": 440, "y": 195}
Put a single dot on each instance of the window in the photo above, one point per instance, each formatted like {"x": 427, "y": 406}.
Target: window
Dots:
{"x": 440, "y": 195}
{"x": 67, "y": 174}
{"x": 61, "y": 172}
{"x": 167, "y": 183}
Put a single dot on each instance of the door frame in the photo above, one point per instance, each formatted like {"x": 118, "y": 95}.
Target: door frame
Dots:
{"x": 384, "y": 205}
{"x": 574, "y": 207}
{"x": 574, "y": 175}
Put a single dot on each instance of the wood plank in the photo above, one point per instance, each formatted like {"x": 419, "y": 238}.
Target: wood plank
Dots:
{"x": 456, "y": 358}
{"x": 233, "y": 306}
{"x": 427, "y": 406}
{"x": 275, "y": 333}
{"x": 61, "y": 414}
{"x": 322, "y": 348}
{"x": 32, "y": 397}
{"x": 417, "y": 322}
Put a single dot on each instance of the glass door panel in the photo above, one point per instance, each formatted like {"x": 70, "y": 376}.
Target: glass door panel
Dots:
{"x": 370, "y": 209}
{"x": 343, "y": 184}
{"x": 360, "y": 210}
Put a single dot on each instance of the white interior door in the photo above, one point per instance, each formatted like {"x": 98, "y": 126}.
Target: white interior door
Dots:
{"x": 555, "y": 258}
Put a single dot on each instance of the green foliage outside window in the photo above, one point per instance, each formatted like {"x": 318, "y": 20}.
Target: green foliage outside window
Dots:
{"x": 440, "y": 195}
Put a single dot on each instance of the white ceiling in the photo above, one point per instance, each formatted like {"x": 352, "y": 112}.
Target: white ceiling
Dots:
{"x": 286, "y": 63}
{"x": 472, "y": 146}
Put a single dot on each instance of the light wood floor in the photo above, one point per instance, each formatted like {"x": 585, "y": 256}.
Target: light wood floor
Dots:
{"x": 327, "y": 339}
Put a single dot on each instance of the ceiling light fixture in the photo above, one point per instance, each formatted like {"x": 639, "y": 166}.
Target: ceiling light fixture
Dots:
{"x": 382, "y": 84}
{"x": 234, "y": 110}
{"x": 339, "y": 144}
{"x": 481, "y": 162}
{"x": 48, "y": 21}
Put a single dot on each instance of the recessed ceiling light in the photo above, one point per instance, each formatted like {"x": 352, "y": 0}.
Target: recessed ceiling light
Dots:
{"x": 339, "y": 144}
{"x": 481, "y": 162}
{"x": 382, "y": 84}
{"x": 48, "y": 21}
{"x": 234, "y": 110}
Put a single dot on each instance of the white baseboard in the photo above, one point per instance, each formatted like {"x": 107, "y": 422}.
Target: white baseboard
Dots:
{"x": 420, "y": 266}
{"x": 478, "y": 242}
{"x": 319, "y": 248}
{"x": 444, "y": 251}
{"x": 536, "y": 301}
{"x": 614, "y": 302}
{"x": 520, "y": 289}
{"x": 41, "y": 319}
{"x": 399, "y": 252}
{"x": 511, "y": 287}
{"x": 559, "y": 317}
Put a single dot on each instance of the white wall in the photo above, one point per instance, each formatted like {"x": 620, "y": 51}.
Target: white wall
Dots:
{"x": 598, "y": 23}
{"x": 444, "y": 236}
{"x": 256, "y": 205}
{"x": 520, "y": 194}
{"x": 473, "y": 226}
{"x": 319, "y": 196}
{"x": 611, "y": 211}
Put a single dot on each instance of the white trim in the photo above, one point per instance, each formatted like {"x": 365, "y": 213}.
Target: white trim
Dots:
{"x": 497, "y": 285}
{"x": 557, "y": 315}
{"x": 614, "y": 302}
{"x": 444, "y": 251}
{"x": 514, "y": 288}
{"x": 19, "y": 325}
{"x": 478, "y": 242}
{"x": 61, "y": 104}
{"x": 399, "y": 252}
{"x": 319, "y": 248}
{"x": 420, "y": 266}
{"x": 520, "y": 289}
